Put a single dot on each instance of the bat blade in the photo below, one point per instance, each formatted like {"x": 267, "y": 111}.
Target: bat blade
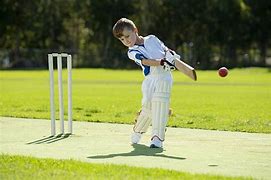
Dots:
{"x": 186, "y": 69}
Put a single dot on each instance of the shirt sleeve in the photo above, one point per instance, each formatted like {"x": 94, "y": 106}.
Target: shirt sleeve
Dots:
{"x": 136, "y": 56}
{"x": 160, "y": 43}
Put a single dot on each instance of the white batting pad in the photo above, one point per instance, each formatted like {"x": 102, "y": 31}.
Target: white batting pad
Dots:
{"x": 143, "y": 120}
{"x": 160, "y": 109}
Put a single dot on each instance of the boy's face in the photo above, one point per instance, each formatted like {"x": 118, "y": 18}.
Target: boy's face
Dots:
{"x": 129, "y": 37}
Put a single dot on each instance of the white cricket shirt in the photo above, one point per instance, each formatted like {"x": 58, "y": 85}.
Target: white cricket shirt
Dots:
{"x": 152, "y": 48}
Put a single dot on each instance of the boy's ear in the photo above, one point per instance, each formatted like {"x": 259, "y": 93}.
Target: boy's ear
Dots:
{"x": 135, "y": 30}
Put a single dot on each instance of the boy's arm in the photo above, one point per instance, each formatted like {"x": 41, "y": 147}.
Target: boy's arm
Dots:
{"x": 167, "y": 66}
{"x": 150, "y": 62}
{"x": 140, "y": 59}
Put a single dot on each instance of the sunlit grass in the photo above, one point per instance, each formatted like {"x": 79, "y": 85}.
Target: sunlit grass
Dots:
{"x": 239, "y": 102}
{"x": 22, "y": 167}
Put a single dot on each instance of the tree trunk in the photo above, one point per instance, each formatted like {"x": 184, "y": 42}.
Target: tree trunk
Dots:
{"x": 232, "y": 56}
{"x": 262, "y": 46}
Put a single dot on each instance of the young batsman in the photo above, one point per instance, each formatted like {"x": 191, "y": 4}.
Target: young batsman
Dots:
{"x": 156, "y": 61}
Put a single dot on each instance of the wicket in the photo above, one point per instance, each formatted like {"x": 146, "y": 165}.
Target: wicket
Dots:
{"x": 60, "y": 57}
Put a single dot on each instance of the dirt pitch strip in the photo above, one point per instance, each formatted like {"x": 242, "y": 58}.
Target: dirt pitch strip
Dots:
{"x": 189, "y": 150}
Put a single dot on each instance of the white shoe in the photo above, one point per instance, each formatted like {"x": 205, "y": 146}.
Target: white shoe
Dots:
{"x": 135, "y": 138}
{"x": 156, "y": 143}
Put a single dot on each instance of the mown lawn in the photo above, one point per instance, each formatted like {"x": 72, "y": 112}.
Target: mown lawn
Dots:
{"x": 22, "y": 167}
{"x": 239, "y": 102}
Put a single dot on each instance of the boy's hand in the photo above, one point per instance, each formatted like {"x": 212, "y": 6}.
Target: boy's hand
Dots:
{"x": 171, "y": 55}
{"x": 167, "y": 66}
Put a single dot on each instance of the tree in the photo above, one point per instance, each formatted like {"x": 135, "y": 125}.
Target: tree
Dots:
{"x": 260, "y": 25}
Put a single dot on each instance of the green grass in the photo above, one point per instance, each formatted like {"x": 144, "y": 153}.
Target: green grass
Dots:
{"x": 22, "y": 167}
{"x": 239, "y": 102}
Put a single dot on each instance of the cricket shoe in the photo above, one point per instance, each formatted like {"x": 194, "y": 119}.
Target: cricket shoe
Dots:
{"x": 156, "y": 143}
{"x": 135, "y": 137}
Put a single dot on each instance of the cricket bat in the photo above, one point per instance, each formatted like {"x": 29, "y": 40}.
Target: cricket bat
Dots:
{"x": 186, "y": 69}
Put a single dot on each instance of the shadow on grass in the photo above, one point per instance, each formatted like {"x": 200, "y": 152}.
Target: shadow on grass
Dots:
{"x": 50, "y": 139}
{"x": 139, "y": 150}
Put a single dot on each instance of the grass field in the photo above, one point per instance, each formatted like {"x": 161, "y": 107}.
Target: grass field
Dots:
{"x": 239, "y": 102}
{"x": 21, "y": 167}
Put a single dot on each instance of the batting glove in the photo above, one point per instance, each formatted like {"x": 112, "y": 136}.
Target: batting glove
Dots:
{"x": 167, "y": 66}
{"x": 171, "y": 55}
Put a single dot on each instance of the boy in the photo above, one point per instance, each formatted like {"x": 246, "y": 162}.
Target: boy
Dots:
{"x": 156, "y": 61}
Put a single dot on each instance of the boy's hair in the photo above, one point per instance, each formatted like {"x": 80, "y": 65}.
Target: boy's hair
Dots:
{"x": 121, "y": 24}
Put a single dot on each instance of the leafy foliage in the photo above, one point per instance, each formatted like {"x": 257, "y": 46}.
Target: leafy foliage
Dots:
{"x": 207, "y": 33}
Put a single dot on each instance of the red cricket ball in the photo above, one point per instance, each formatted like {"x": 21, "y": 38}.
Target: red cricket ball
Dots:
{"x": 223, "y": 71}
